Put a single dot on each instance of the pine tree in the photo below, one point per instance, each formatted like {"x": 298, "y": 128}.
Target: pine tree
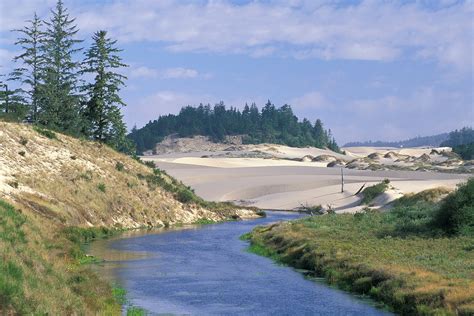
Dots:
{"x": 28, "y": 74}
{"x": 59, "y": 99}
{"x": 102, "y": 115}
{"x": 319, "y": 135}
{"x": 13, "y": 106}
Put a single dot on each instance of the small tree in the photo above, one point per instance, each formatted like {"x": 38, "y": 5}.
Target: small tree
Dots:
{"x": 12, "y": 103}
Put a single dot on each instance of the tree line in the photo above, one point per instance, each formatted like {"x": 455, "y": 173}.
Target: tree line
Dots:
{"x": 51, "y": 90}
{"x": 418, "y": 141}
{"x": 462, "y": 142}
{"x": 268, "y": 125}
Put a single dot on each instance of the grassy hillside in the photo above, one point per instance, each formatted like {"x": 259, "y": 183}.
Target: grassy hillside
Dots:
{"x": 57, "y": 192}
{"x": 42, "y": 272}
{"x": 418, "y": 258}
{"x": 78, "y": 182}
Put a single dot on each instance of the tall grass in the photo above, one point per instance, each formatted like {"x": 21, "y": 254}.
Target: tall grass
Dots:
{"x": 42, "y": 272}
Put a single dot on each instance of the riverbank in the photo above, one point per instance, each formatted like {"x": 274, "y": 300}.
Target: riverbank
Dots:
{"x": 206, "y": 270}
{"x": 57, "y": 192}
{"x": 393, "y": 257}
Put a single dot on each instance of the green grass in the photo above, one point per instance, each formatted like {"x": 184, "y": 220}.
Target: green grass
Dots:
{"x": 43, "y": 272}
{"x": 45, "y": 132}
{"x": 204, "y": 221}
{"x": 403, "y": 258}
{"x": 370, "y": 193}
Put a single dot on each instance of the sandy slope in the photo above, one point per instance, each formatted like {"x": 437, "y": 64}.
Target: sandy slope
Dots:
{"x": 277, "y": 184}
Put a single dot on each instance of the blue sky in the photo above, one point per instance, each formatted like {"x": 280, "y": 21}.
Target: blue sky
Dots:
{"x": 369, "y": 69}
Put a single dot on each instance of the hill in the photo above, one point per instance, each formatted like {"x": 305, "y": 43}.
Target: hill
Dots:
{"x": 433, "y": 141}
{"x": 270, "y": 125}
{"x": 462, "y": 142}
{"x": 56, "y": 192}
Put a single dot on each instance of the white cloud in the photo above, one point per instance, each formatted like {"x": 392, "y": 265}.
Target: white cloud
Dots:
{"x": 179, "y": 72}
{"x": 143, "y": 72}
{"x": 312, "y": 100}
{"x": 426, "y": 111}
{"x": 161, "y": 103}
{"x": 369, "y": 30}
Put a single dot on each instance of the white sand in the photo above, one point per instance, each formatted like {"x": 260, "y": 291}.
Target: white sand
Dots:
{"x": 285, "y": 184}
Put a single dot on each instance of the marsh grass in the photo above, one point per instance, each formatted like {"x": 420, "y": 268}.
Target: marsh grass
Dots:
{"x": 400, "y": 258}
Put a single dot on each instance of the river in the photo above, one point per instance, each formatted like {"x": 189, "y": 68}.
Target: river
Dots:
{"x": 206, "y": 270}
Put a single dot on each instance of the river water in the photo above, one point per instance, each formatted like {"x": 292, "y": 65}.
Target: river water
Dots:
{"x": 206, "y": 270}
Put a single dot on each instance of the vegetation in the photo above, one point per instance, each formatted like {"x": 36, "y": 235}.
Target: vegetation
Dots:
{"x": 370, "y": 193}
{"x": 406, "y": 258}
{"x": 35, "y": 258}
{"x": 45, "y": 132}
{"x": 49, "y": 83}
{"x": 180, "y": 191}
{"x": 456, "y": 213}
{"x": 86, "y": 183}
{"x": 462, "y": 142}
{"x": 270, "y": 125}
{"x": 434, "y": 141}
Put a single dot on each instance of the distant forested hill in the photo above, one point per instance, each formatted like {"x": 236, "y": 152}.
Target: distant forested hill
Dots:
{"x": 434, "y": 141}
{"x": 462, "y": 142}
{"x": 270, "y": 125}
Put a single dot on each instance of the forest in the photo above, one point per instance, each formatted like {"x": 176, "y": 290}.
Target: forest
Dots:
{"x": 268, "y": 125}
{"x": 462, "y": 142}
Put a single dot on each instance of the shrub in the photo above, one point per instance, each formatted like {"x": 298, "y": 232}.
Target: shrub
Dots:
{"x": 185, "y": 196}
{"x": 101, "y": 187}
{"x": 456, "y": 213}
{"x": 150, "y": 164}
{"x": 22, "y": 153}
{"x": 45, "y": 132}
{"x": 13, "y": 184}
{"x": 119, "y": 166}
{"x": 23, "y": 141}
{"x": 373, "y": 191}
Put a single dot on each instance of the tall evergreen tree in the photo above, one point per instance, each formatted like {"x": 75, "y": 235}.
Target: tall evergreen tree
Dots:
{"x": 28, "y": 74}
{"x": 102, "y": 109}
{"x": 320, "y": 135}
{"x": 59, "y": 97}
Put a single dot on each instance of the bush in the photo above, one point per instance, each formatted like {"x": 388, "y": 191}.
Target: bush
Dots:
{"x": 45, "y": 132}
{"x": 456, "y": 213}
{"x": 372, "y": 192}
{"x": 150, "y": 164}
{"x": 101, "y": 187}
{"x": 119, "y": 166}
{"x": 185, "y": 196}
{"x": 23, "y": 141}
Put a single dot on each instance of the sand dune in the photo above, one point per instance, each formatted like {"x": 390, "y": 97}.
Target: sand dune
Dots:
{"x": 280, "y": 177}
{"x": 276, "y": 184}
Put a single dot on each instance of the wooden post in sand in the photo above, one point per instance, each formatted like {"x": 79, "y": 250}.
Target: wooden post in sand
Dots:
{"x": 342, "y": 180}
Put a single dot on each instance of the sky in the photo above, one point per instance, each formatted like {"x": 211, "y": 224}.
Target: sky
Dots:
{"x": 369, "y": 69}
